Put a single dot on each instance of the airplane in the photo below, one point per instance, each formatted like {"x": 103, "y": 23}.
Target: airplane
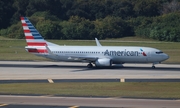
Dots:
{"x": 100, "y": 56}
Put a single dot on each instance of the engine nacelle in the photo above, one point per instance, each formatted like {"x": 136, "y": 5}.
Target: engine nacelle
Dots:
{"x": 103, "y": 62}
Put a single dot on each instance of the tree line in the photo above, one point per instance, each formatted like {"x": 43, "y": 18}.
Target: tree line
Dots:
{"x": 87, "y": 19}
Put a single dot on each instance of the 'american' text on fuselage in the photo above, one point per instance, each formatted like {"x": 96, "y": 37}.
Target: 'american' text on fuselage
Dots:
{"x": 121, "y": 53}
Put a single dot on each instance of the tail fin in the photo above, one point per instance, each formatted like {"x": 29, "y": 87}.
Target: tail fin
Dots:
{"x": 33, "y": 37}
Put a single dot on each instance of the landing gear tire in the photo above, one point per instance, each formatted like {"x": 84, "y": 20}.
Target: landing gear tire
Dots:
{"x": 89, "y": 65}
{"x": 153, "y": 67}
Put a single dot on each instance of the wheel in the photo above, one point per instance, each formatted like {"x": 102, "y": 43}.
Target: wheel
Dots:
{"x": 153, "y": 67}
{"x": 89, "y": 65}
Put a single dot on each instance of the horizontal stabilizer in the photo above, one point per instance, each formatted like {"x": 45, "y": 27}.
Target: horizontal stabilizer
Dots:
{"x": 27, "y": 48}
{"x": 35, "y": 50}
{"x": 49, "y": 51}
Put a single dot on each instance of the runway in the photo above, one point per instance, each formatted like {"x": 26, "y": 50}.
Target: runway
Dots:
{"x": 28, "y": 70}
{"x": 20, "y": 71}
{"x": 87, "y": 102}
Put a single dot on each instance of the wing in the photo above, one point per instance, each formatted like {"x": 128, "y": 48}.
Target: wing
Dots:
{"x": 92, "y": 59}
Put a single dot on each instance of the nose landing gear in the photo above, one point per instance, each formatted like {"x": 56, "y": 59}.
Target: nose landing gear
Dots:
{"x": 153, "y": 65}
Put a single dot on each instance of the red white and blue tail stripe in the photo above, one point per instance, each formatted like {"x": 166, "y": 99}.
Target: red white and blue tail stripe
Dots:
{"x": 35, "y": 42}
{"x": 33, "y": 37}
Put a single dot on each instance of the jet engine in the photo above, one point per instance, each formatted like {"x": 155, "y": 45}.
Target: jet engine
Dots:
{"x": 103, "y": 62}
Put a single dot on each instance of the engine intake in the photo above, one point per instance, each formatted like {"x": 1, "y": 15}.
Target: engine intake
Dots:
{"x": 103, "y": 62}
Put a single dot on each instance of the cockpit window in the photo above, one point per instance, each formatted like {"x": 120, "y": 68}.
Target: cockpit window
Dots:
{"x": 160, "y": 52}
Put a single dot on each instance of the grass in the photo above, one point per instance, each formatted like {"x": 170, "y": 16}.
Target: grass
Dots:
{"x": 133, "y": 38}
{"x": 13, "y": 49}
{"x": 109, "y": 89}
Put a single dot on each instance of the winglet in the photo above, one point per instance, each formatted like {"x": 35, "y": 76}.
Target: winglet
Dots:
{"x": 97, "y": 42}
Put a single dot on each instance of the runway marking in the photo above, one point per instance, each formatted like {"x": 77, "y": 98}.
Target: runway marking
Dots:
{"x": 50, "y": 81}
{"x": 122, "y": 80}
{"x": 74, "y": 107}
{"x": 3, "y": 105}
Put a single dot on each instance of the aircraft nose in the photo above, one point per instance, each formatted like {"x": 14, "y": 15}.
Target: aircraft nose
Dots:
{"x": 165, "y": 57}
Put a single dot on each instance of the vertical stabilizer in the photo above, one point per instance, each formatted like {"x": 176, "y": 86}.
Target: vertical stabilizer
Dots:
{"x": 35, "y": 42}
{"x": 33, "y": 37}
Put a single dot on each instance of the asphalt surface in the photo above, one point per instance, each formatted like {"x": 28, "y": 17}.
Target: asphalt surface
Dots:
{"x": 17, "y": 70}
{"x": 41, "y": 106}
{"x": 87, "y": 102}
{"x": 24, "y": 71}
{"x": 87, "y": 80}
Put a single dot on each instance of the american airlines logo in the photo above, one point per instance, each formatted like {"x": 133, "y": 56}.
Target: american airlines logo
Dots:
{"x": 121, "y": 53}
{"x": 143, "y": 53}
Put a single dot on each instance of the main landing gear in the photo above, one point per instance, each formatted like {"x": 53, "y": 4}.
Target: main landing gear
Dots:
{"x": 153, "y": 67}
{"x": 89, "y": 65}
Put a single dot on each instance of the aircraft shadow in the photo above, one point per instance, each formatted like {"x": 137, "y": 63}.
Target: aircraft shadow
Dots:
{"x": 39, "y": 66}
{"x": 84, "y": 68}
{"x": 132, "y": 68}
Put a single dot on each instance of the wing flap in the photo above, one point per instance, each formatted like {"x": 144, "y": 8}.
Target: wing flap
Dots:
{"x": 83, "y": 58}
